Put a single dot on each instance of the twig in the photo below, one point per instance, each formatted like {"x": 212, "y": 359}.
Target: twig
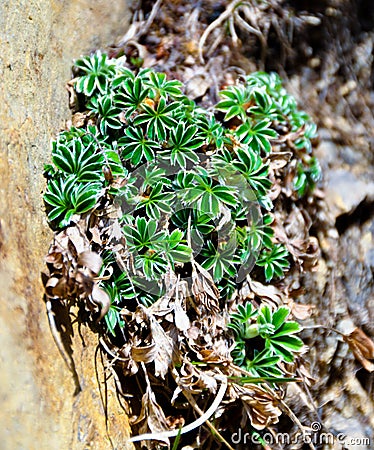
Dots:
{"x": 225, "y": 15}
{"x": 294, "y": 418}
{"x": 110, "y": 352}
{"x": 103, "y": 396}
{"x": 245, "y": 25}
{"x": 234, "y": 36}
{"x": 195, "y": 424}
{"x": 313, "y": 327}
{"x": 251, "y": 29}
{"x": 213, "y": 429}
{"x": 150, "y": 19}
{"x": 57, "y": 338}
{"x": 139, "y": 27}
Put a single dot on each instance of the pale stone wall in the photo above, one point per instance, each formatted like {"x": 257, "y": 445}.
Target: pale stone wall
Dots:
{"x": 39, "y": 408}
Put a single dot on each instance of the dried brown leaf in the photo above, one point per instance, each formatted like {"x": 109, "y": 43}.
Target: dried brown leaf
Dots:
{"x": 204, "y": 290}
{"x": 300, "y": 311}
{"x": 56, "y": 287}
{"x": 91, "y": 260}
{"x": 259, "y": 405}
{"x": 268, "y": 292}
{"x": 181, "y": 319}
{"x": 152, "y": 415}
{"x": 100, "y": 298}
{"x": 79, "y": 119}
{"x": 217, "y": 352}
{"x": 56, "y": 259}
{"x": 144, "y": 354}
{"x": 76, "y": 238}
{"x": 164, "y": 344}
{"x": 293, "y": 233}
{"x": 278, "y": 160}
{"x": 198, "y": 85}
{"x": 362, "y": 348}
{"x": 195, "y": 380}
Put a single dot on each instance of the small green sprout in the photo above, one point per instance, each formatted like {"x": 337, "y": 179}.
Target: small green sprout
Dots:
{"x": 264, "y": 339}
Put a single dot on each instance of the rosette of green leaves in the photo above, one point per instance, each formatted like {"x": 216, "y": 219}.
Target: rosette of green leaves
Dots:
{"x": 97, "y": 71}
{"x": 66, "y": 197}
{"x": 264, "y": 339}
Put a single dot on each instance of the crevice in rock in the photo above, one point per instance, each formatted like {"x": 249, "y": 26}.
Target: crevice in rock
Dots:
{"x": 363, "y": 212}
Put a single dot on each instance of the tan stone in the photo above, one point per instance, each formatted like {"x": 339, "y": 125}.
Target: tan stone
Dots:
{"x": 39, "y": 406}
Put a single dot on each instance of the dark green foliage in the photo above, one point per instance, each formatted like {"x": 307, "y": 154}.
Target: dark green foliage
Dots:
{"x": 157, "y": 202}
{"x": 274, "y": 261}
{"x": 185, "y": 183}
{"x": 68, "y": 197}
{"x": 182, "y": 145}
{"x": 272, "y": 336}
{"x": 207, "y": 196}
{"x": 108, "y": 113}
{"x": 75, "y": 158}
{"x": 97, "y": 71}
{"x": 221, "y": 260}
{"x": 162, "y": 87}
{"x": 158, "y": 119}
{"x": 136, "y": 147}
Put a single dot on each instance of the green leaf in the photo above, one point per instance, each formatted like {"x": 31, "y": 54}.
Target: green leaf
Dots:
{"x": 68, "y": 197}
{"x": 161, "y": 87}
{"x": 182, "y": 143}
{"x": 74, "y": 157}
{"x": 131, "y": 94}
{"x": 274, "y": 261}
{"x": 158, "y": 120}
{"x": 96, "y": 72}
{"x": 136, "y": 147}
{"x": 156, "y": 202}
{"x": 280, "y": 316}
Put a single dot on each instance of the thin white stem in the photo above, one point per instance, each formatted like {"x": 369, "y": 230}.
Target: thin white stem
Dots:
{"x": 195, "y": 424}
{"x": 225, "y": 15}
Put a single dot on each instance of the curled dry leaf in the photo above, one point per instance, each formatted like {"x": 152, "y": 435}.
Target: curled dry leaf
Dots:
{"x": 79, "y": 241}
{"x": 198, "y": 85}
{"x": 72, "y": 267}
{"x": 267, "y": 293}
{"x": 278, "y": 160}
{"x": 144, "y": 354}
{"x": 362, "y": 348}
{"x": 55, "y": 287}
{"x": 216, "y": 351}
{"x": 79, "y": 119}
{"x": 91, "y": 260}
{"x": 165, "y": 347}
{"x": 300, "y": 311}
{"x": 204, "y": 290}
{"x": 153, "y": 416}
{"x": 102, "y": 299}
{"x": 260, "y": 407}
{"x": 181, "y": 319}
{"x": 195, "y": 380}
{"x": 294, "y": 235}
{"x": 129, "y": 366}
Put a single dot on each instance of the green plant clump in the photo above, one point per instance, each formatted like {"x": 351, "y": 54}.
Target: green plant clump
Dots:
{"x": 173, "y": 188}
{"x": 277, "y": 341}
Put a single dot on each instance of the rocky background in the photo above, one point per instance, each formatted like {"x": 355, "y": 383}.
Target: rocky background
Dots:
{"x": 41, "y": 405}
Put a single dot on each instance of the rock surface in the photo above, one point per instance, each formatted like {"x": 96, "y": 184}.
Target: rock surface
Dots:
{"x": 40, "y": 406}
